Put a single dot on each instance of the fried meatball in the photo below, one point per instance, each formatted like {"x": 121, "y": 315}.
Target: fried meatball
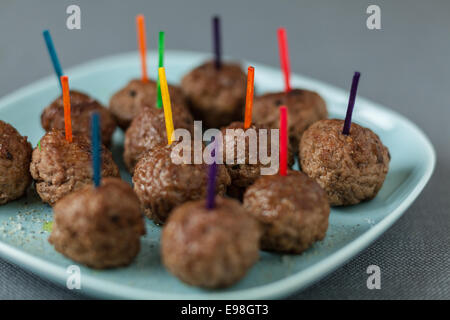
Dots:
{"x": 161, "y": 184}
{"x": 81, "y": 109}
{"x": 99, "y": 227}
{"x": 15, "y": 157}
{"x": 244, "y": 174}
{"x": 149, "y": 130}
{"x": 351, "y": 168}
{"x": 210, "y": 248}
{"x": 59, "y": 167}
{"x": 293, "y": 211}
{"x": 126, "y": 103}
{"x": 304, "y": 108}
{"x": 216, "y": 96}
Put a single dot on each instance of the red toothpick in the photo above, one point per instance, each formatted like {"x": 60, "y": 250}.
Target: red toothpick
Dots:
{"x": 66, "y": 101}
{"x": 249, "y": 98}
{"x": 283, "y": 140}
{"x": 284, "y": 58}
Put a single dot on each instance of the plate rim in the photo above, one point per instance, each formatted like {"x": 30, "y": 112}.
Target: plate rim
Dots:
{"x": 276, "y": 289}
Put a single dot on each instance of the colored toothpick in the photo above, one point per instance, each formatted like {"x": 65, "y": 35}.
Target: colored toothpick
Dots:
{"x": 284, "y": 58}
{"x": 66, "y": 102}
{"x": 96, "y": 148}
{"x": 140, "y": 24}
{"x": 53, "y": 55}
{"x": 249, "y": 97}
{"x": 159, "y": 103}
{"x": 166, "y": 104}
{"x": 212, "y": 174}
{"x": 283, "y": 140}
{"x": 217, "y": 42}
{"x": 351, "y": 104}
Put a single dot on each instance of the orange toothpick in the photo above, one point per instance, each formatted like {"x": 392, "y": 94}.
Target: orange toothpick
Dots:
{"x": 249, "y": 98}
{"x": 140, "y": 24}
{"x": 66, "y": 101}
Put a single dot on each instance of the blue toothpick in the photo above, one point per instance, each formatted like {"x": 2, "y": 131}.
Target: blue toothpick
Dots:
{"x": 53, "y": 55}
{"x": 96, "y": 148}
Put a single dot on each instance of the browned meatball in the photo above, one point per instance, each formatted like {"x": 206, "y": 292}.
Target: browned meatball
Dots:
{"x": 210, "y": 248}
{"x": 126, "y": 103}
{"x": 293, "y": 211}
{"x": 15, "y": 157}
{"x": 149, "y": 130}
{"x": 161, "y": 184}
{"x": 304, "y": 108}
{"x": 81, "y": 109}
{"x": 99, "y": 227}
{"x": 350, "y": 168}
{"x": 216, "y": 96}
{"x": 59, "y": 167}
{"x": 244, "y": 174}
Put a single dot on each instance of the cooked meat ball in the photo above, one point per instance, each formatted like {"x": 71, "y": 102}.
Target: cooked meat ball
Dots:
{"x": 245, "y": 174}
{"x": 15, "y": 157}
{"x": 293, "y": 211}
{"x": 99, "y": 227}
{"x": 59, "y": 167}
{"x": 126, "y": 103}
{"x": 304, "y": 108}
{"x": 210, "y": 248}
{"x": 149, "y": 130}
{"x": 216, "y": 96}
{"x": 351, "y": 168}
{"x": 161, "y": 184}
{"x": 81, "y": 109}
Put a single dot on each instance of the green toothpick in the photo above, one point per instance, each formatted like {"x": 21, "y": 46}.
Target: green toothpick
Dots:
{"x": 39, "y": 144}
{"x": 159, "y": 103}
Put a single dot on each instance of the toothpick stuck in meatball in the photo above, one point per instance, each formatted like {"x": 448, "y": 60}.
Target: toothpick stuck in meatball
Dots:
{"x": 293, "y": 211}
{"x": 210, "y": 248}
{"x": 99, "y": 227}
{"x": 351, "y": 168}
{"x": 128, "y": 102}
{"x": 82, "y": 107}
{"x": 60, "y": 167}
{"x": 161, "y": 184}
{"x": 304, "y": 108}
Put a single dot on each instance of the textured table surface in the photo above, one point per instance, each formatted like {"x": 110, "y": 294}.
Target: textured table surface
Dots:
{"x": 404, "y": 66}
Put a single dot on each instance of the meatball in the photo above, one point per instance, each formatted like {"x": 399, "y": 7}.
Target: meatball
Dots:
{"x": 216, "y": 96}
{"x": 59, "y": 167}
{"x": 351, "y": 168}
{"x": 304, "y": 108}
{"x": 293, "y": 211}
{"x": 161, "y": 184}
{"x": 126, "y": 103}
{"x": 245, "y": 174}
{"x": 15, "y": 157}
{"x": 81, "y": 109}
{"x": 210, "y": 248}
{"x": 99, "y": 227}
{"x": 149, "y": 130}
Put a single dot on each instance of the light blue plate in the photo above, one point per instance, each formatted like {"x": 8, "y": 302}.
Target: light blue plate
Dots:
{"x": 23, "y": 236}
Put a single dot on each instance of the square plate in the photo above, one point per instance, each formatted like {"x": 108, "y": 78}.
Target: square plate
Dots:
{"x": 24, "y": 223}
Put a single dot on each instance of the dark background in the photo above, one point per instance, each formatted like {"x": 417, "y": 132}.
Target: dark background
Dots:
{"x": 404, "y": 66}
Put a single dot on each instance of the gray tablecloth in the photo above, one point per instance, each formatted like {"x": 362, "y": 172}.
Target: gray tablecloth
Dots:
{"x": 405, "y": 66}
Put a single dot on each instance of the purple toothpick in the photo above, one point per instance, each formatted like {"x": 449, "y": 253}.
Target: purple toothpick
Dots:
{"x": 217, "y": 42}
{"x": 212, "y": 173}
{"x": 351, "y": 104}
